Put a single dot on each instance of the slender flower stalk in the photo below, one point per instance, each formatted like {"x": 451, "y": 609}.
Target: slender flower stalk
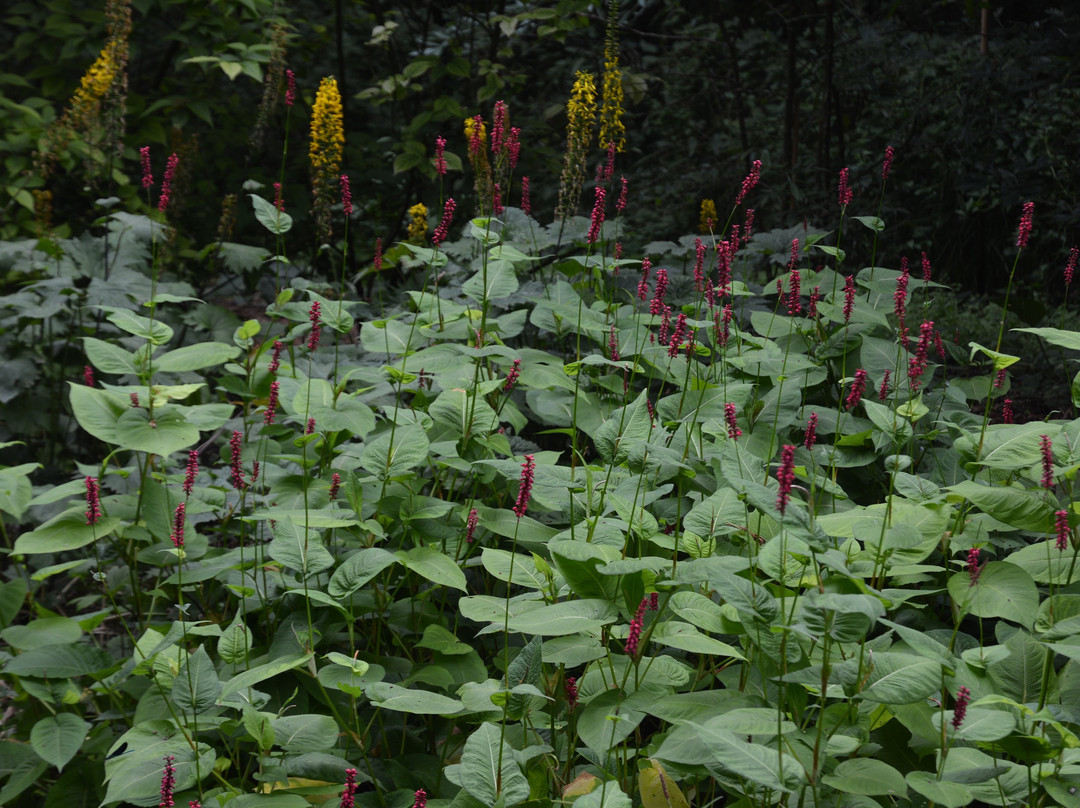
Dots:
{"x": 786, "y": 477}
{"x": 528, "y": 471}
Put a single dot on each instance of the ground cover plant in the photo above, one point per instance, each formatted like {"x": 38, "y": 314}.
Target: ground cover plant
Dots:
{"x": 731, "y": 522}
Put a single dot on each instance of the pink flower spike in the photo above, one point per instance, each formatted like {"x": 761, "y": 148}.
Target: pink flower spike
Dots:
{"x": 1046, "y": 446}
{"x": 973, "y": 567}
{"x": 93, "y": 500}
{"x": 1061, "y": 526}
{"x": 811, "y": 431}
{"x": 1024, "y": 230}
{"x": 963, "y": 698}
{"x": 314, "y": 314}
{"x": 166, "y": 183}
{"x": 191, "y": 472}
{"x": 147, "y": 176}
{"x": 440, "y": 156}
{"x": 279, "y": 203}
{"x": 528, "y": 471}
{"x": 420, "y": 799}
{"x": 470, "y": 525}
{"x": 310, "y": 430}
{"x": 498, "y": 127}
{"x": 786, "y": 477}
{"x": 168, "y": 783}
{"x": 335, "y": 485}
{"x": 749, "y": 183}
{"x": 925, "y": 268}
{"x": 643, "y": 284}
{"x": 620, "y": 205}
{"x": 886, "y": 164}
{"x": 794, "y": 304}
{"x": 526, "y": 203}
{"x": 346, "y": 196}
{"x": 843, "y": 191}
{"x": 377, "y": 260}
{"x": 275, "y": 357}
{"x": 732, "y": 421}
{"x": 849, "y": 297}
{"x": 858, "y": 387}
{"x": 1007, "y": 411}
{"x": 634, "y": 637}
{"x": 883, "y": 391}
{"x": 999, "y": 378}
{"x": 597, "y": 216}
{"x": 236, "y": 475}
{"x": 290, "y": 88}
{"x": 571, "y": 693}
{"x": 348, "y": 795}
{"x": 88, "y": 376}
{"x": 441, "y": 232}
{"x": 657, "y": 303}
{"x": 512, "y": 376}
{"x": 613, "y": 344}
{"x": 1070, "y": 266}
{"x": 177, "y": 534}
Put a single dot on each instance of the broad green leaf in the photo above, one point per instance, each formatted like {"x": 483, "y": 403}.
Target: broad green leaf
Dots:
{"x": 525, "y": 572}
{"x": 59, "y": 662}
{"x": 196, "y": 688}
{"x": 624, "y": 428}
{"x": 719, "y": 514}
{"x": 483, "y": 777}
{"x": 68, "y": 531}
{"x": 1001, "y": 360}
{"x": 1055, "y": 336}
{"x": 41, "y": 632}
{"x": 305, "y": 733}
{"x": 676, "y": 634}
{"x": 658, "y": 789}
{"x": 136, "y": 778}
{"x": 606, "y": 795}
{"x": 235, "y": 642}
{"x": 755, "y": 762}
{"x": 437, "y": 567}
{"x": 867, "y": 776}
{"x": 276, "y": 221}
{"x": 391, "y": 455}
{"x": 1004, "y": 590}
{"x": 253, "y": 676}
{"x": 872, "y": 223}
{"x": 358, "y": 569}
{"x": 978, "y": 725}
{"x": 901, "y": 678}
{"x": 195, "y": 357}
{"x": 568, "y": 617}
{"x": 157, "y": 332}
{"x": 411, "y": 700}
{"x": 698, "y": 610}
{"x": 498, "y": 281}
{"x": 578, "y": 562}
{"x": 57, "y": 738}
{"x": 608, "y": 719}
{"x": 299, "y": 549}
{"x": 109, "y": 357}
{"x": 940, "y": 792}
{"x": 1046, "y": 567}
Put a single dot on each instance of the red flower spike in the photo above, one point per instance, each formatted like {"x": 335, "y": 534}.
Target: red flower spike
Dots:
{"x": 348, "y": 795}
{"x": 168, "y": 783}
{"x": 528, "y": 471}
{"x": 420, "y": 799}
{"x": 88, "y": 376}
{"x": 634, "y": 637}
{"x": 1070, "y": 266}
{"x": 1007, "y": 411}
{"x": 571, "y": 693}
{"x": 440, "y": 156}
{"x": 963, "y": 698}
{"x": 597, "y": 216}
{"x": 290, "y": 88}
{"x": 93, "y": 500}
{"x": 811, "y": 431}
{"x": 657, "y": 303}
{"x": 236, "y": 475}
{"x": 732, "y": 423}
{"x": 310, "y": 427}
{"x": 1061, "y": 527}
{"x": 439, "y": 236}
{"x": 147, "y": 176}
{"x": 1024, "y": 229}
{"x": 883, "y": 391}
{"x": 613, "y": 344}
{"x": 973, "y": 567}
{"x": 470, "y": 525}
{"x": 917, "y": 363}
{"x": 272, "y": 404}
{"x": 843, "y": 191}
{"x": 643, "y": 284}
{"x": 166, "y": 183}
{"x": 526, "y": 203}
{"x": 335, "y": 485}
{"x": 177, "y": 534}
{"x": 314, "y": 314}
{"x": 886, "y": 164}
{"x": 620, "y": 205}
{"x": 191, "y": 472}
{"x": 346, "y": 196}
{"x": 377, "y": 260}
{"x": 858, "y": 387}
{"x": 512, "y": 376}
{"x": 749, "y": 183}
{"x": 275, "y": 357}
{"x": 279, "y": 203}
{"x": 786, "y": 477}
{"x": 849, "y": 297}
{"x": 1046, "y": 446}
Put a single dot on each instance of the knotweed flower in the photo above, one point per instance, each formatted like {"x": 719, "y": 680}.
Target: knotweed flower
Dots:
{"x": 177, "y": 534}
{"x": 643, "y": 284}
{"x": 470, "y": 524}
{"x": 883, "y": 391}
{"x": 963, "y": 698}
{"x": 272, "y": 404}
{"x": 939, "y": 346}
{"x": 168, "y": 783}
{"x": 147, "y": 176}
{"x": 346, "y": 196}
{"x": 377, "y": 260}
{"x": 925, "y": 268}
{"x": 571, "y": 693}
{"x": 917, "y": 363}
{"x": 1061, "y": 526}
{"x": 528, "y": 471}
{"x": 699, "y": 265}
{"x": 512, "y": 376}
{"x": 254, "y": 472}
{"x": 290, "y": 88}
{"x": 654, "y": 601}
{"x": 236, "y": 475}
{"x": 440, "y": 156}
{"x": 191, "y": 472}
{"x": 1024, "y": 230}
{"x": 886, "y": 164}
{"x": 900, "y": 299}
{"x": 999, "y": 378}
{"x": 811, "y": 307}
{"x": 325, "y": 150}
{"x": 786, "y": 477}
{"x": 849, "y": 297}
{"x": 314, "y": 314}
{"x": 725, "y": 251}
{"x": 275, "y": 357}
{"x": 335, "y": 485}
{"x": 498, "y": 127}
{"x": 88, "y": 376}
{"x": 677, "y": 335}
{"x": 496, "y": 200}
{"x": 748, "y": 225}
{"x": 476, "y": 133}
{"x": 657, "y": 302}
{"x": 279, "y": 203}
{"x": 749, "y": 183}
{"x": 858, "y": 387}
{"x": 731, "y": 417}
{"x": 597, "y": 216}
{"x": 310, "y": 430}
{"x": 1046, "y": 446}
{"x": 1007, "y": 411}
{"x": 664, "y": 335}
{"x": 134, "y": 399}
{"x": 348, "y": 796}
{"x": 843, "y": 192}
{"x": 634, "y": 637}
{"x": 513, "y": 147}
{"x": 93, "y": 500}
{"x": 166, "y": 182}
{"x": 420, "y": 799}
{"x": 417, "y": 223}
{"x": 613, "y": 344}
{"x": 526, "y": 202}
{"x": 612, "y": 129}
{"x": 708, "y": 216}
{"x": 1070, "y": 267}
{"x": 811, "y": 431}
{"x": 794, "y": 304}
{"x": 973, "y": 567}
{"x": 439, "y": 236}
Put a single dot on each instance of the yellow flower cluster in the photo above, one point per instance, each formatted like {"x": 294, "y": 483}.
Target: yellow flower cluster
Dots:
{"x": 327, "y": 129}
{"x": 96, "y": 82}
{"x": 418, "y": 225}
{"x": 581, "y": 116}
{"x": 471, "y": 133}
{"x": 708, "y": 219}
{"x": 612, "y": 129}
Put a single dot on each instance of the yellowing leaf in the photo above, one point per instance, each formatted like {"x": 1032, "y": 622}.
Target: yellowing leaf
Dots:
{"x": 657, "y": 788}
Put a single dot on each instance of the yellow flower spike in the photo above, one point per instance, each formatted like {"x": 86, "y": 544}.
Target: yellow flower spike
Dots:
{"x": 708, "y": 216}
{"x": 327, "y": 129}
{"x": 418, "y": 225}
{"x": 612, "y": 129}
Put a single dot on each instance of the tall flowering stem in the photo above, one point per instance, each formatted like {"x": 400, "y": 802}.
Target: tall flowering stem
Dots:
{"x": 749, "y": 183}
{"x": 581, "y": 115}
{"x": 612, "y": 129}
{"x": 325, "y": 150}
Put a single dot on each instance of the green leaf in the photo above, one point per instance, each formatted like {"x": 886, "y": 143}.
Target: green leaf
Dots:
{"x": 391, "y": 455}
{"x": 437, "y": 567}
{"x": 1001, "y": 360}
{"x": 500, "y": 282}
{"x": 978, "y": 725}
{"x": 625, "y": 428}
{"x": 568, "y": 617}
{"x": 235, "y": 642}
{"x": 41, "y": 632}
{"x": 67, "y": 531}
{"x": 608, "y": 795}
{"x": 676, "y": 634}
{"x": 136, "y": 777}
{"x": 698, "y": 610}
{"x": 253, "y": 676}
{"x": 870, "y": 222}
{"x": 608, "y": 719}
{"x": 299, "y": 549}
{"x": 196, "y": 687}
{"x": 719, "y": 514}
{"x": 483, "y": 777}
{"x": 195, "y": 357}
{"x": 358, "y": 569}
{"x": 407, "y": 700}
{"x": 1055, "y": 336}
{"x": 305, "y": 733}
{"x": 276, "y": 221}
{"x": 59, "y": 662}
{"x": 754, "y": 761}
{"x": 109, "y": 357}
{"x": 940, "y": 792}
{"x": 1013, "y": 506}
{"x": 57, "y": 738}
{"x": 578, "y": 562}
{"x": 901, "y": 678}
{"x": 1004, "y": 590}
{"x": 155, "y": 331}
{"x": 525, "y": 572}
{"x": 867, "y": 776}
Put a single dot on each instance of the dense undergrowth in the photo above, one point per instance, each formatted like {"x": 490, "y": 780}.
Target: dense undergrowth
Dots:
{"x": 735, "y": 522}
